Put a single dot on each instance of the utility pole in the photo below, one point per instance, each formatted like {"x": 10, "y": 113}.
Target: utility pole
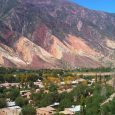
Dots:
{"x": 113, "y": 77}
{"x": 113, "y": 81}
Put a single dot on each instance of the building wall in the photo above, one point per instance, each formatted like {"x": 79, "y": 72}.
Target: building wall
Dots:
{"x": 8, "y": 111}
{"x": 41, "y": 112}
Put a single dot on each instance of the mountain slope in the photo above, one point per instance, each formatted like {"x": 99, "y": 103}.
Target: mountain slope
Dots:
{"x": 55, "y": 34}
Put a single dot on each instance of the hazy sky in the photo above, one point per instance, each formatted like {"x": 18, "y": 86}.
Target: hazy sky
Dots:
{"x": 103, "y": 5}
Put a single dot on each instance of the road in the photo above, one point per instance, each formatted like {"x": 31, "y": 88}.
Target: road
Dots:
{"x": 109, "y": 99}
{"x": 95, "y": 73}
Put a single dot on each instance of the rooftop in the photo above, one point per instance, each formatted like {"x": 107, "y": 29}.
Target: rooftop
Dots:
{"x": 74, "y": 108}
{"x": 48, "y": 108}
{"x": 11, "y": 104}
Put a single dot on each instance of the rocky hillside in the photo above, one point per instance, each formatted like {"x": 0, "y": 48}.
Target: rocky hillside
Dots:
{"x": 55, "y": 34}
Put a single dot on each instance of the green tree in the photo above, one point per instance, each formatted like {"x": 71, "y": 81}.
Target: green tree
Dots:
{"x": 53, "y": 88}
{"x": 64, "y": 103}
{"x": 109, "y": 108}
{"x": 2, "y": 102}
{"x": 20, "y": 101}
{"x": 28, "y": 110}
{"x": 47, "y": 99}
{"x": 14, "y": 93}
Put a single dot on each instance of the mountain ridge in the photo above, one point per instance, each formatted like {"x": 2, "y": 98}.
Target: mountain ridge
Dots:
{"x": 74, "y": 36}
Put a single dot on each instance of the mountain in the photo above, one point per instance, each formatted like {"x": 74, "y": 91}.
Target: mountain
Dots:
{"x": 55, "y": 34}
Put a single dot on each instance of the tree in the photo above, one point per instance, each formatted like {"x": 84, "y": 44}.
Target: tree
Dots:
{"x": 53, "y": 88}
{"x": 2, "y": 89}
{"x": 64, "y": 103}
{"x": 47, "y": 99}
{"x": 20, "y": 101}
{"x": 2, "y": 102}
{"x": 93, "y": 106}
{"x": 31, "y": 84}
{"x": 82, "y": 103}
{"x": 13, "y": 94}
{"x": 79, "y": 91}
{"x": 105, "y": 109}
{"x": 28, "y": 110}
{"x": 109, "y": 108}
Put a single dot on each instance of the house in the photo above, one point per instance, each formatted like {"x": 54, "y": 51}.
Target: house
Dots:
{"x": 14, "y": 110}
{"x": 67, "y": 112}
{"x": 10, "y": 104}
{"x": 39, "y": 80}
{"x": 56, "y": 104}
{"x": 74, "y": 109}
{"x": 62, "y": 83}
{"x": 74, "y": 82}
{"x": 37, "y": 90}
{"x": 8, "y": 85}
{"x": 24, "y": 91}
{"x": 65, "y": 90}
{"x": 11, "y": 109}
{"x": 39, "y": 84}
{"x": 25, "y": 94}
{"x": 45, "y": 111}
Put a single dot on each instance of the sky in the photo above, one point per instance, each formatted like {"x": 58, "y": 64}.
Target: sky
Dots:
{"x": 101, "y": 5}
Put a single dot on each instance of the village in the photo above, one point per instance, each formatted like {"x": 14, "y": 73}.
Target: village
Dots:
{"x": 12, "y": 109}
{"x": 52, "y": 95}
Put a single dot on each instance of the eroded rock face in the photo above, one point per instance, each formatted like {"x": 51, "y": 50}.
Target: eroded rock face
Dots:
{"x": 54, "y": 33}
{"x": 110, "y": 44}
{"x": 33, "y": 55}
